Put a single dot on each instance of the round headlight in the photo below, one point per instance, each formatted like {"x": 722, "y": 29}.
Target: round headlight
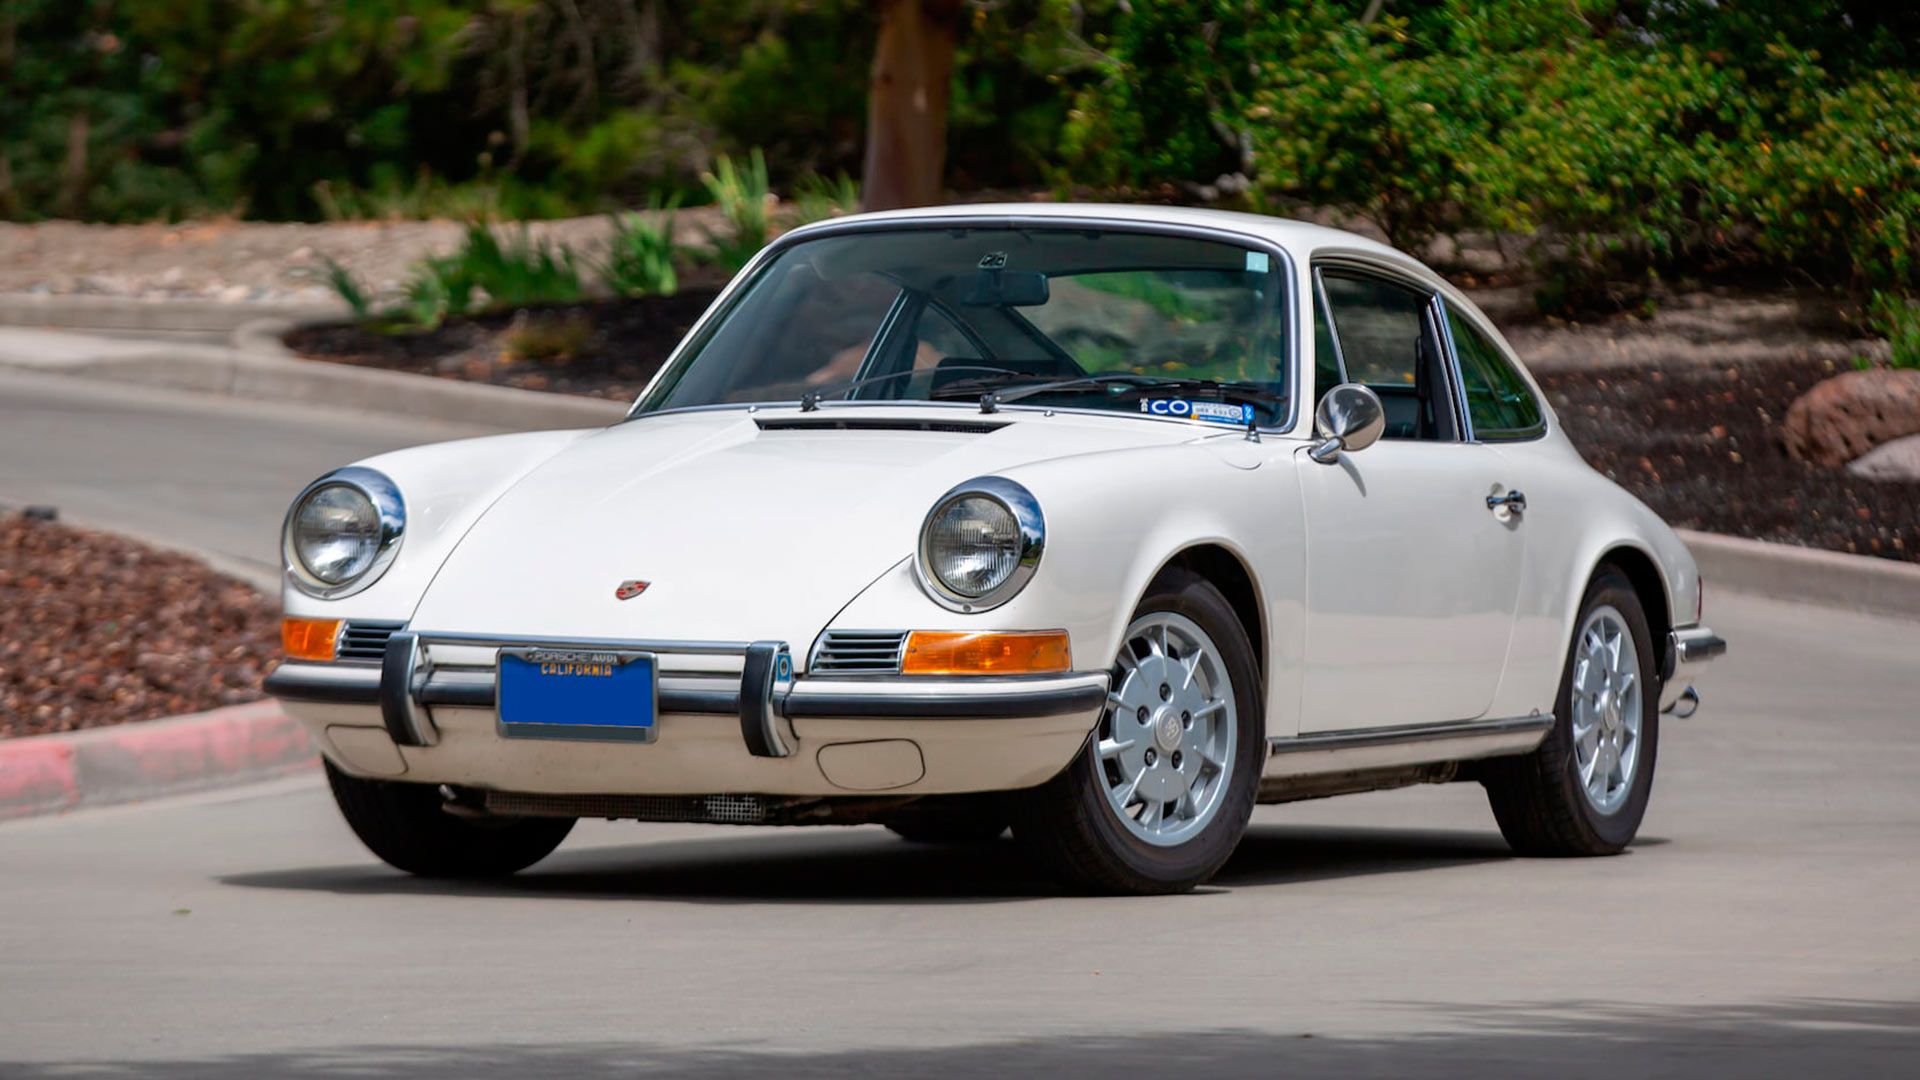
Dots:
{"x": 342, "y": 532}
{"x": 980, "y": 544}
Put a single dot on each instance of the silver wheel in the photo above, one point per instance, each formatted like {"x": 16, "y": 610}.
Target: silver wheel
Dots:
{"x": 1166, "y": 743}
{"x": 1607, "y": 701}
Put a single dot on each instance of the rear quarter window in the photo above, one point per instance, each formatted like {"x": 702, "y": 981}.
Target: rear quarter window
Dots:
{"x": 1499, "y": 403}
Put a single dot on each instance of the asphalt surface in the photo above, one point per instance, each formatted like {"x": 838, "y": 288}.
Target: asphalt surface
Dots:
{"x": 1764, "y": 926}
{"x": 206, "y": 473}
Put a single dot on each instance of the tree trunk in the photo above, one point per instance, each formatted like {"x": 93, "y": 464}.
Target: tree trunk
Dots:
{"x": 73, "y": 196}
{"x": 907, "y": 103}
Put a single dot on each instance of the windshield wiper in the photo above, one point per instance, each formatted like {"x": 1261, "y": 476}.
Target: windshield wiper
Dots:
{"x": 810, "y": 400}
{"x": 1123, "y": 382}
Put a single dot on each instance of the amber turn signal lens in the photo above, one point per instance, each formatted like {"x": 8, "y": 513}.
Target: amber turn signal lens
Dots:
{"x": 309, "y": 639}
{"x": 1024, "y": 652}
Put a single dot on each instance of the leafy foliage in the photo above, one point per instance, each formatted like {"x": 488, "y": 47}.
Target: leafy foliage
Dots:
{"x": 1898, "y": 317}
{"x": 347, "y": 287}
{"x": 1608, "y": 140}
{"x": 819, "y": 198}
{"x": 641, "y": 255}
{"x": 745, "y": 201}
{"x": 1616, "y": 138}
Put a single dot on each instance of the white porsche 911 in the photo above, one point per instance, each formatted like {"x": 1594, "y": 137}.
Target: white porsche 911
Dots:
{"x": 1104, "y": 523}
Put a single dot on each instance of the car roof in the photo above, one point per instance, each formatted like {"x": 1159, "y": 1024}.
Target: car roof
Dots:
{"x": 1300, "y": 237}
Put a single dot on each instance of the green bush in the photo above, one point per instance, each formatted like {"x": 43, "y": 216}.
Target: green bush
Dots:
{"x": 1898, "y": 317}
{"x": 742, "y": 196}
{"x": 486, "y": 274}
{"x": 641, "y": 255}
{"x": 1617, "y": 141}
{"x": 347, "y": 287}
{"x": 819, "y": 198}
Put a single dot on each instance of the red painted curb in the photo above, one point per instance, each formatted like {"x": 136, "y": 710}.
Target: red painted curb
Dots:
{"x": 45, "y": 774}
{"x": 36, "y": 776}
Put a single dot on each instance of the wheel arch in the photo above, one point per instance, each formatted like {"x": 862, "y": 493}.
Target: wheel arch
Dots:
{"x": 1649, "y": 584}
{"x": 1227, "y": 571}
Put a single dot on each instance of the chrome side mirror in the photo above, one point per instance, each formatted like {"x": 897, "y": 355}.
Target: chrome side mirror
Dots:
{"x": 1350, "y": 418}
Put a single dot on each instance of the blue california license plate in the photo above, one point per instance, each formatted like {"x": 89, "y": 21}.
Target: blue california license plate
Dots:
{"x": 589, "y": 694}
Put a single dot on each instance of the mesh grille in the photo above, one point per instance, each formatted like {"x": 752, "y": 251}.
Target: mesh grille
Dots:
{"x": 712, "y": 809}
{"x": 365, "y": 640}
{"x": 858, "y": 652}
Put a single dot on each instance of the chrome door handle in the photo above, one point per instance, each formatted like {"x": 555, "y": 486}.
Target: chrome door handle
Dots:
{"x": 1512, "y": 500}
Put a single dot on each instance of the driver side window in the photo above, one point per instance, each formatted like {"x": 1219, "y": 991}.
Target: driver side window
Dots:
{"x": 1385, "y": 336}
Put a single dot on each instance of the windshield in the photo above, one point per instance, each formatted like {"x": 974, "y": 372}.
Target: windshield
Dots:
{"x": 949, "y": 314}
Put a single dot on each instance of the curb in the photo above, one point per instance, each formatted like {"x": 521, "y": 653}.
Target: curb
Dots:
{"x": 67, "y": 311}
{"x": 1808, "y": 575}
{"x": 275, "y": 376}
{"x": 48, "y": 774}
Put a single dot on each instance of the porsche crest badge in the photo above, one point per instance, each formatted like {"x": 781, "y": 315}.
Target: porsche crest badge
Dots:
{"x": 630, "y": 589}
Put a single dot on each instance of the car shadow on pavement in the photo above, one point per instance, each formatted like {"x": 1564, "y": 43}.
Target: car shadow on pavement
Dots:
{"x": 1564, "y": 1040}
{"x": 867, "y": 866}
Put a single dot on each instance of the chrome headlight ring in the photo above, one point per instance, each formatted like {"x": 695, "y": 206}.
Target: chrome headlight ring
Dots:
{"x": 391, "y": 512}
{"x": 1030, "y": 543}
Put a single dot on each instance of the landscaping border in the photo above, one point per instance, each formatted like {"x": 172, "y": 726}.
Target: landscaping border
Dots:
{"x": 262, "y": 369}
{"x": 48, "y": 774}
{"x": 1806, "y": 575}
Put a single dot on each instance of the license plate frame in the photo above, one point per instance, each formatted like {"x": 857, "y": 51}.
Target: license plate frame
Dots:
{"x": 518, "y": 693}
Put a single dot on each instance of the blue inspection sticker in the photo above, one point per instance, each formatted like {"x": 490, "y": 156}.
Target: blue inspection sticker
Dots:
{"x": 1218, "y": 412}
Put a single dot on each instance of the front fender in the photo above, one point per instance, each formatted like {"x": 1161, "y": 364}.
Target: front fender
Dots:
{"x": 1114, "y": 521}
{"x": 446, "y": 487}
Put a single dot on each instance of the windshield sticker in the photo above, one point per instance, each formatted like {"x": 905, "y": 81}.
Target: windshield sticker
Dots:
{"x": 993, "y": 260}
{"x": 1218, "y": 412}
{"x": 1256, "y": 262}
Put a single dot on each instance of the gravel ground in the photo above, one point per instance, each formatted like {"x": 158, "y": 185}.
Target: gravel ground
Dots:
{"x": 250, "y": 261}
{"x": 1701, "y": 446}
{"x": 101, "y": 630}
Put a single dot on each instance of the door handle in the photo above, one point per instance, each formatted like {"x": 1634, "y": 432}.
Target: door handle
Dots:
{"x": 1512, "y": 500}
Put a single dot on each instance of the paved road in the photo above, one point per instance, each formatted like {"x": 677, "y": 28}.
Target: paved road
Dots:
{"x": 207, "y": 473}
{"x": 1766, "y": 926}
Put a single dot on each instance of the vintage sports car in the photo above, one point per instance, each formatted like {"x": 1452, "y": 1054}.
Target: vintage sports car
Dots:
{"x": 1104, "y": 523}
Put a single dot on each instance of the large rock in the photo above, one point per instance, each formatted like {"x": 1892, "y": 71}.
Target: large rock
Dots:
{"x": 1897, "y": 460}
{"x": 1846, "y": 416}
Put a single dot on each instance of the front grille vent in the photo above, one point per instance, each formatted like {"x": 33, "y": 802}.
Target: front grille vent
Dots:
{"x": 365, "y": 640}
{"x": 858, "y": 652}
{"x": 954, "y": 427}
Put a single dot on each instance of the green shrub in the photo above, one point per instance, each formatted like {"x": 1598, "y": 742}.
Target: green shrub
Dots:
{"x": 819, "y": 198}
{"x": 344, "y": 285}
{"x": 742, "y": 196}
{"x": 1898, "y": 317}
{"x": 484, "y": 273}
{"x": 641, "y": 254}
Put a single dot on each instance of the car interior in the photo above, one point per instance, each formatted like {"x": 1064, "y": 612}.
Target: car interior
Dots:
{"x": 1384, "y": 336}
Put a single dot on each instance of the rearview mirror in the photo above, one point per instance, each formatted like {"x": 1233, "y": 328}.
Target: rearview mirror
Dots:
{"x": 1007, "y": 288}
{"x": 1350, "y": 418}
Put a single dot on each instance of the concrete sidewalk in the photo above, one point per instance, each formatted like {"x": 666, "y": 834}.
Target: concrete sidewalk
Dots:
{"x": 259, "y": 369}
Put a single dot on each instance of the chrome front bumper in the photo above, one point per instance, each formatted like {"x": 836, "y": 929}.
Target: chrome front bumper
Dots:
{"x": 766, "y": 696}
{"x": 1687, "y": 648}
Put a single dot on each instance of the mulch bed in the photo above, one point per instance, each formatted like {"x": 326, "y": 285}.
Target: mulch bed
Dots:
{"x": 628, "y": 342}
{"x": 97, "y": 630}
{"x": 1700, "y": 445}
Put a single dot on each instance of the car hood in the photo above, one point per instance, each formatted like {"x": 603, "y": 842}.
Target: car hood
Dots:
{"x": 745, "y": 527}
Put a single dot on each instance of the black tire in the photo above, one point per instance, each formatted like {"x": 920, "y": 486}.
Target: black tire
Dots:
{"x": 1069, "y": 825}
{"x": 1538, "y": 799}
{"x": 941, "y": 831}
{"x": 407, "y": 827}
